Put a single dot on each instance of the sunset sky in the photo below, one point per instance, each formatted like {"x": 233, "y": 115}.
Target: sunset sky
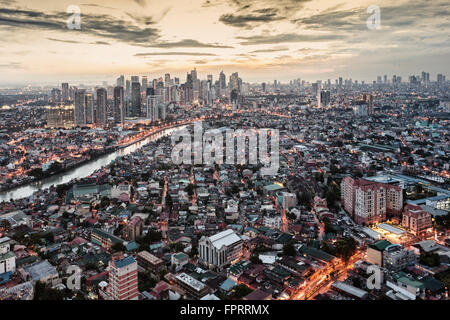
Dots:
{"x": 263, "y": 40}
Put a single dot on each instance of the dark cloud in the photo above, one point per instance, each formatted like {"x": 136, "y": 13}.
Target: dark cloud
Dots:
{"x": 251, "y": 20}
{"x": 104, "y": 26}
{"x": 250, "y": 13}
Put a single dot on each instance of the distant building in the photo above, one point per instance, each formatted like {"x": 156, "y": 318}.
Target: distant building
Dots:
{"x": 101, "y": 114}
{"x": 221, "y": 249}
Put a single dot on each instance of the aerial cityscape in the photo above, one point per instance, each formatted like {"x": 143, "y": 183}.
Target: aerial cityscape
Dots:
{"x": 273, "y": 165}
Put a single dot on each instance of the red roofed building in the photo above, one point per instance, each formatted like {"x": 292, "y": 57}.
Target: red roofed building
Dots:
{"x": 368, "y": 202}
{"x": 416, "y": 220}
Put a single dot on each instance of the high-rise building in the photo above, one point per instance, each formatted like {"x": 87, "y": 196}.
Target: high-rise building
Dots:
{"x": 144, "y": 84}
{"x": 368, "y": 201}
{"x": 80, "y": 108}
{"x": 135, "y": 99}
{"x": 119, "y": 105}
{"x": 167, "y": 80}
{"x": 325, "y": 98}
{"x": 153, "y": 106}
{"x": 101, "y": 114}
{"x": 56, "y": 96}
{"x": 89, "y": 105}
{"x": 123, "y": 278}
{"x": 222, "y": 84}
{"x": 65, "y": 92}
{"x": 121, "y": 81}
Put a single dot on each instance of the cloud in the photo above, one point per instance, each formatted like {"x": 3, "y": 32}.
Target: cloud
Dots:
{"x": 269, "y": 50}
{"x": 288, "y": 37}
{"x": 251, "y": 20}
{"x": 187, "y": 43}
{"x": 250, "y": 13}
{"x": 65, "y": 41}
{"x": 173, "y": 54}
{"x": 103, "y": 26}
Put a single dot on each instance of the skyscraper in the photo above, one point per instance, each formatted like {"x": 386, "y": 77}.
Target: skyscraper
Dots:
{"x": 144, "y": 84}
{"x": 123, "y": 278}
{"x": 101, "y": 107}
{"x": 135, "y": 99}
{"x": 80, "y": 109}
{"x": 222, "y": 84}
{"x": 167, "y": 80}
{"x": 89, "y": 105}
{"x": 153, "y": 106}
{"x": 65, "y": 92}
{"x": 119, "y": 105}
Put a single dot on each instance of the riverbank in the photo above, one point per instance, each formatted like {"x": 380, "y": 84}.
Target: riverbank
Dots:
{"x": 80, "y": 170}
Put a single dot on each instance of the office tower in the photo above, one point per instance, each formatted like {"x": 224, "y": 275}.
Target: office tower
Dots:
{"x": 263, "y": 87}
{"x": 121, "y": 81}
{"x": 128, "y": 88}
{"x": 379, "y": 79}
{"x": 153, "y": 106}
{"x": 119, "y": 105}
{"x": 209, "y": 78}
{"x": 65, "y": 92}
{"x": 222, "y": 84}
{"x": 340, "y": 82}
{"x": 316, "y": 92}
{"x": 234, "y": 82}
{"x": 89, "y": 105}
{"x": 177, "y": 81}
{"x": 194, "y": 74}
{"x": 80, "y": 109}
{"x": 325, "y": 98}
{"x": 385, "y": 79}
{"x": 101, "y": 115}
{"x": 135, "y": 99}
{"x": 134, "y": 79}
{"x": 167, "y": 80}
{"x": 144, "y": 84}
{"x": 440, "y": 78}
{"x": 123, "y": 278}
{"x": 56, "y": 96}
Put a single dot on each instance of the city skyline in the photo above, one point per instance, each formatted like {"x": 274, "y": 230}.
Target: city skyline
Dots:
{"x": 287, "y": 39}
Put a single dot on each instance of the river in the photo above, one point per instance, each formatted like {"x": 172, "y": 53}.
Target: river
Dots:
{"x": 81, "y": 171}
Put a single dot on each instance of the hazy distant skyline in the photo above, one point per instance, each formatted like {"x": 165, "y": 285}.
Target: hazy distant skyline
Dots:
{"x": 263, "y": 40}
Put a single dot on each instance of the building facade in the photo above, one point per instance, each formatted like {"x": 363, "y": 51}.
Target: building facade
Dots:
{"x": 220, "y": 250}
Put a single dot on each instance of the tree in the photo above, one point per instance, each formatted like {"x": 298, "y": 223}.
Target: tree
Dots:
{"x": 430, "y": 259}
{"x": 241, "y": 291}
{"x": 118, "y": 247}
{"x": 289, "y": 249}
